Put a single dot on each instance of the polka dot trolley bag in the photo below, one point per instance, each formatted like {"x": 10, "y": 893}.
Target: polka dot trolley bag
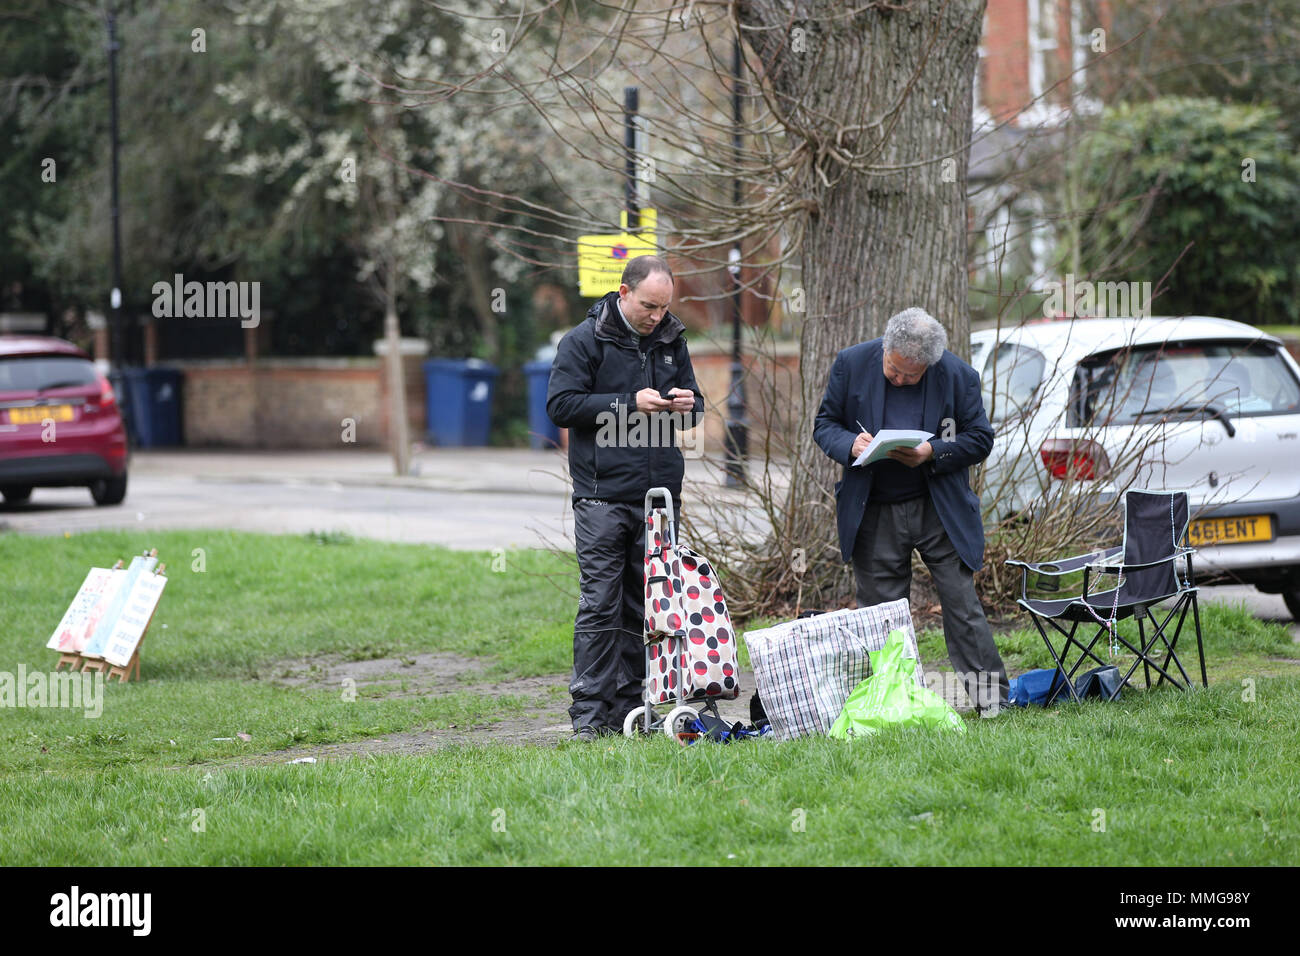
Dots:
{"x": 690, "y": 643}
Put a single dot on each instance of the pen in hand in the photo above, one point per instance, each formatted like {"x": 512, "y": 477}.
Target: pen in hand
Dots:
{"x": 864, "y": 431}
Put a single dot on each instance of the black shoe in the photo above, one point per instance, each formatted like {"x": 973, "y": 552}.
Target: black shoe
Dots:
{"x": 583, "y": 735}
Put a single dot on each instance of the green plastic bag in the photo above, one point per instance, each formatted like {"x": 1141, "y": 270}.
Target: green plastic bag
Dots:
{"x": 891, "y": 696}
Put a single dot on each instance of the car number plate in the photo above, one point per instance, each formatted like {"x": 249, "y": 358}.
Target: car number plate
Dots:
{"x": 1216, "y": 531}
{"x": 35, "y": 414}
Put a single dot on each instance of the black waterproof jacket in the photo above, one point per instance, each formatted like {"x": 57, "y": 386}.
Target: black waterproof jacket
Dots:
{"x": 615, "y": 452}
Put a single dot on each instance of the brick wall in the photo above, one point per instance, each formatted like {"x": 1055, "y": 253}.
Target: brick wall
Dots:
{"x": 1004, "y": 76}
{"x": 295, "y": 403}
{"x": 1005, "y": 65}
{"x": 282, "y": 403}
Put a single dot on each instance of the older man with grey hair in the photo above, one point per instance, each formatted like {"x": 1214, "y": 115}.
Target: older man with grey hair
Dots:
{"x": 917, "y": 498}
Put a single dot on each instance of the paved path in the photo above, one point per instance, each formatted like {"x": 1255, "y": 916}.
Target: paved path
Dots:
{"x": 463, "y": 498}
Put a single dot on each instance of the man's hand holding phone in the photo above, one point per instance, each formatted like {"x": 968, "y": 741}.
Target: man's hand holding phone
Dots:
{"x": 673, "y": 400}
{"x": 682, "y": 399}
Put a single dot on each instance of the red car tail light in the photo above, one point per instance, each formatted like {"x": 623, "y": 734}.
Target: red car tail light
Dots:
{"x": 107, "y": 401}
{"x": 1080, "y": 460}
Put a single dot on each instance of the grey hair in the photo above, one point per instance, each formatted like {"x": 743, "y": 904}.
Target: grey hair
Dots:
{"x": 916, "y": 335}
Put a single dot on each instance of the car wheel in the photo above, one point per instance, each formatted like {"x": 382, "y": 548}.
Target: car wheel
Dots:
{"x": 16, "y": 493}
{"x": 108, "y": 491}
{"x": 1292, "y": 599}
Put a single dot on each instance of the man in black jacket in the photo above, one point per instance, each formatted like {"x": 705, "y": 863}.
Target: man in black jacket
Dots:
{"x": 623, "y": 385}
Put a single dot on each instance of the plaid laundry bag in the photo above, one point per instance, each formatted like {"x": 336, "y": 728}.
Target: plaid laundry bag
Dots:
{"x": 686, "y": 621}
{"x": 806, "y": 669}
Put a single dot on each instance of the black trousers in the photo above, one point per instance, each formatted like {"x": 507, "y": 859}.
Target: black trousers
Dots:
{"x": 882, "y": 567}
{"x": 608, "y": 653}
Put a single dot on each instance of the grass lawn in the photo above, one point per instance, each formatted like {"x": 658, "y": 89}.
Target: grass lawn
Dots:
{"x": 1159, "y": 778}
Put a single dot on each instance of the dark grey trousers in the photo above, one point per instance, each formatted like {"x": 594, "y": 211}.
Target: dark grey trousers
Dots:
{"x": 882, "y": 567}
{"x": 608, "y": 653}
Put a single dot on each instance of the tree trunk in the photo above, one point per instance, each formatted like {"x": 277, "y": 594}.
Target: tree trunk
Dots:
{"x": 473, "y": 258}
{"x": 878, "y": 101}
{"x": 399, "y": 429}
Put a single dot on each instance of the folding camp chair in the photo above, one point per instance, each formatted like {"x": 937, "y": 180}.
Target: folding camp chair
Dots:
{"x": 1152, "y": 566}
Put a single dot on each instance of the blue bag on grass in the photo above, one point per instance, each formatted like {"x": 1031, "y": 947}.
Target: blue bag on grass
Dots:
{"x": 1034, "y": 687}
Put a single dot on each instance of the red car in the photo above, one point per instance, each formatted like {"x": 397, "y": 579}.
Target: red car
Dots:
{"x": 59, "y": 422}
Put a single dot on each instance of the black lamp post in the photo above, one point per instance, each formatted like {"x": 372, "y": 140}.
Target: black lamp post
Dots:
{"x": 631, "y": 104}
{"x": 116, "y": 356}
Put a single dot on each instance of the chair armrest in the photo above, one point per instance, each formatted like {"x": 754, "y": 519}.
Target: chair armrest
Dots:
{"x": 1067, "y": 565}
{"x": 1118, "y": 568}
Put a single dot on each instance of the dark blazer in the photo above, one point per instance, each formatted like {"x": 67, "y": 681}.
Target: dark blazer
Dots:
{"x": 855, "y": 392}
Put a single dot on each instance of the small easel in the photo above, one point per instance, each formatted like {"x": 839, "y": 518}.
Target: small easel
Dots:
{"x": 78, "y": 662}
{"x": 123, "y": 674}
{"x": 73, "y": 660}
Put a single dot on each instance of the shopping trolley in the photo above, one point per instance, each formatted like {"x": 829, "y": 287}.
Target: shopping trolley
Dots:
{"x": 690, "y": 645}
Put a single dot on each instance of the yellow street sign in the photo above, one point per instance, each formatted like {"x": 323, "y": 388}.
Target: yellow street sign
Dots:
{"x": 602, "y": 258}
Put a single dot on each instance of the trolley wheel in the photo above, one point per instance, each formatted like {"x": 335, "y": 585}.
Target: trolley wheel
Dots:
{"x": 633, "y": 721}
{"x": 678, "y": 720}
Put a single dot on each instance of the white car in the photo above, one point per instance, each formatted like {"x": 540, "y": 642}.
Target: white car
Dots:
{"x": 1204, "y": 405}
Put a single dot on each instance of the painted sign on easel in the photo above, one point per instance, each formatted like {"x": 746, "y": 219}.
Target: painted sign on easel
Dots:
{"x": 133, "y": 620}
{"x": 87, "y": 609}
{"x": 107, "y": 619}
{"x": 98, "y": 642}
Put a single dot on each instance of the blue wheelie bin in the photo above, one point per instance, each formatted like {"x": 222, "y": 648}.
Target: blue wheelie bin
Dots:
{"x": 542, "y": 432}
{"x": 154, "y": 398}
{"x": 458, "y": 396}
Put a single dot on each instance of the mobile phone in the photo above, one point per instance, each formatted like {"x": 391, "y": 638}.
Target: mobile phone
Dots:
{"x": 666, "y": 395}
